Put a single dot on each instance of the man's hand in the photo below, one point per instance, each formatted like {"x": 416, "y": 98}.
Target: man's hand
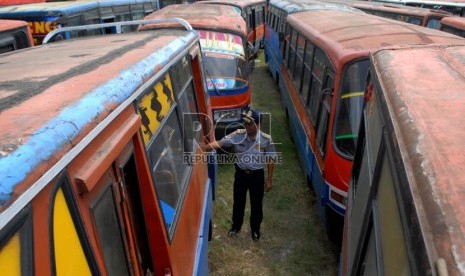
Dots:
{"x": 268, "y": 185}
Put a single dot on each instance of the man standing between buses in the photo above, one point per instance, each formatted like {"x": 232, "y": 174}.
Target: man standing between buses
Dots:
{"x": 254, "y": 149}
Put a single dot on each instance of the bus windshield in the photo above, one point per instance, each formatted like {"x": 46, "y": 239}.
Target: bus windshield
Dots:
{"x": 350, "y": 107}
{"x": 224, "y": 61}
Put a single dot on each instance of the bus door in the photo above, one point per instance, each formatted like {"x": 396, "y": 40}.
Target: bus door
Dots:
{"x": 107, "y": 181}
{"x": 125, "y": 169}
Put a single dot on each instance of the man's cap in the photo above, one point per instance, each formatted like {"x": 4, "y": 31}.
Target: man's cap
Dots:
{"x": 251, "y": 116}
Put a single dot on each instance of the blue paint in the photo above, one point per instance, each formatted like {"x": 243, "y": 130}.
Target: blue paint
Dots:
{"x": 58, "y": 132}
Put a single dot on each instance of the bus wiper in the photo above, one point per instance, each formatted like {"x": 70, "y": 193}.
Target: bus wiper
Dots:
{"x": 213, "y": 83}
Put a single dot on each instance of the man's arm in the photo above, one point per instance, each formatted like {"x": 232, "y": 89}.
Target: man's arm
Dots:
{"x": 211, "y": 146}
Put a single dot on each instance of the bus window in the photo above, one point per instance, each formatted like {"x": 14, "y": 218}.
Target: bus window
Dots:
{"x": 108, "y": 227}
{"x": 394, "y": 252}
{"x": 300, "y": 51}
{"x": 433, "y": 23}
{"x": 307, "y": 72}
{"x": 324, "y": 114}
{"x": 91, "y": 17}
{"x": 137, "y": 12}
{"x": 350, "y": 106}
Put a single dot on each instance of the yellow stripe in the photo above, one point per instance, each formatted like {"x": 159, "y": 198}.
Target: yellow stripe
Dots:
{"x": 353, "y": 94}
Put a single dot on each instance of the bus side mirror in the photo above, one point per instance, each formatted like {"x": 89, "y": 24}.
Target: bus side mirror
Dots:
{"x": 281, "y": 36}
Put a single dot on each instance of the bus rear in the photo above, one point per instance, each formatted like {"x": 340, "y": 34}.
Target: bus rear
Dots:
{"x": 253, "y": 12}
{"x": 14, "y": 35}
{"x": 225, "y": 59}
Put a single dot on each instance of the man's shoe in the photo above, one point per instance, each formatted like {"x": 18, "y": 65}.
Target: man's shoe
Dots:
{"x": 233, "y": 232}
{"x": 255, "y": 235}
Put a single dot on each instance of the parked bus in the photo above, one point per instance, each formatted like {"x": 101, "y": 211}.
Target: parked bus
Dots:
{"x": 93, "y": 176}
{"x": 225, "y": 58}
{"x": 455, "y": 7}
{"x": 45, "y": 17}
{"x": 18, "y": 2}
{"x": 405, "y": 201}
{"x": 454, "y": 25}
{"x": 323, "y": 78}
{"x": 253, "y": 12}
{"x": 278, "y": 10}
{"x": 14, "y": 35}
{"x": 430, "y": 18}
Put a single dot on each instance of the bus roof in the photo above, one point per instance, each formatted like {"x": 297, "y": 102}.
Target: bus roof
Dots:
{"x": 206, "y": 17}
{"x": 290, "y": 6}
{"x": 52, "y": 95}
{"x": 236, "y": 3}
{"x": 47, "y": 9}
{"x": 458, "y": 3}
{"x": 426, "y": 114}
{"x": 6, "y": 25}
{"x": 346, "y": 36}
{"x": 454, "y": 21}
{"x": 395, "y": 8}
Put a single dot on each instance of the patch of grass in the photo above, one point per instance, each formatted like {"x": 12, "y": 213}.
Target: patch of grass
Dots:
{"x": 293, "y": 240}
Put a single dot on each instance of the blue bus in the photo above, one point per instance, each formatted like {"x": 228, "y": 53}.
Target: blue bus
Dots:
{"x": 275, "y": 27}
{"x": 45, "y": 17}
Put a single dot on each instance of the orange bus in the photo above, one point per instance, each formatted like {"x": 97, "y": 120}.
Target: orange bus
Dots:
{"x": 225, "y": 54}
{"x": 14, "y": 35}
{"x": 253, "y": 12}
{"x": 454, "y": 25}
{"x": 324, "y": 70}
{"x": 405, "y": 212}
{"x": 93, "y": 173}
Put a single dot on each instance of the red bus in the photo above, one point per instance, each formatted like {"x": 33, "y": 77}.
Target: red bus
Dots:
{"x": 405, "y": 212}
{"x": 429, "y": 18}
{"x": 456, "y": 7}
{"x": 93, "y": 177}
{"x": 225, "y": 58}
{"x": 454, "y": 25}
{"x": 14, "y": 35}
{"x": 253, "y": 12}
{"x": 324, "y": 70}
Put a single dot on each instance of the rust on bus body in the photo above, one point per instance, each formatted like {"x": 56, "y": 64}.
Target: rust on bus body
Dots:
{"x": 351, "y": 33}
{"x": 211, "y": 17}
{"x": 241, "y": 4}
{"x": 427, "y": 115}
{"x": 30, "y": 99}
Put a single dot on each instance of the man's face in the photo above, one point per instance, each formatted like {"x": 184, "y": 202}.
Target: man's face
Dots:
{"x": 251, "y": 128}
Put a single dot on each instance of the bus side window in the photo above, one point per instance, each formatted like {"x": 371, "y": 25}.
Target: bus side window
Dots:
{"x": 324, "y": 114}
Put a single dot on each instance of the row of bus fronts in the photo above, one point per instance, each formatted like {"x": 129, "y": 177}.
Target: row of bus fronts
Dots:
{"x": 126, "y": 203}
{"x": 322, "y": 70}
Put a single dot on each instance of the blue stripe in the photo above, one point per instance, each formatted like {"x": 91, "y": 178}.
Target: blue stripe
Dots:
{"x": 58, "y": 132}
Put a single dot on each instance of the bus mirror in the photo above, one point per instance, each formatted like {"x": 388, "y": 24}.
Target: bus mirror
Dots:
{"x": 281, "y": 36}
